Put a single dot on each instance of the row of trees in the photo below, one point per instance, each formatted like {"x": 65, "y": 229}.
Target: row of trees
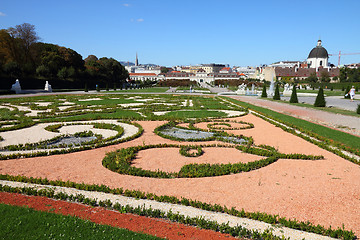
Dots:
{"x": 23, "y": 56}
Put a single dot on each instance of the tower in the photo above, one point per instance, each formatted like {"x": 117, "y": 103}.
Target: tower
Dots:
{"x": 136, "y": 60}
{"x": 318, "y": 57}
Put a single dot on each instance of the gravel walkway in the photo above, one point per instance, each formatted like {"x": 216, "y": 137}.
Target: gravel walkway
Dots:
{"x": 340, "y": 122}
{"x": 184, "y": 210}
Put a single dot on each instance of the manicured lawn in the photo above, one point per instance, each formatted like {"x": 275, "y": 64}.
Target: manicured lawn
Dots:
{"x": 196, "y": 114}
{"x": 25, "y": 223}
{"x": 146, "y": 90}
{"x": 338, "y": 136}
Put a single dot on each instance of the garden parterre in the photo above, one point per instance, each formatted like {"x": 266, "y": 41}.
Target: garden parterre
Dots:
{"x": 300, "y": 189}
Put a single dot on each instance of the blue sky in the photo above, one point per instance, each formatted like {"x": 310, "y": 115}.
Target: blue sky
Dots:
{"x": 171, "y": 32}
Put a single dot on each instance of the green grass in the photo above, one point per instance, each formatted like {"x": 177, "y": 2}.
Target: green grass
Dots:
{"x": 326, "y": 109}
{"x": 326, "y": 92}
{"x": 193, "y": 88}
{"x": 25, "y": 223}
{"x": 118, "y": 114}
{"x": 146, "y": 90}
{"x": 342, "y": 137}
{"x": 106, "y": 101}
{"x": 196, "y": 114}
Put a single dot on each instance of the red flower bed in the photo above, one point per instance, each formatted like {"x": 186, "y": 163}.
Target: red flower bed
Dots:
{"x": 156, "y": 227}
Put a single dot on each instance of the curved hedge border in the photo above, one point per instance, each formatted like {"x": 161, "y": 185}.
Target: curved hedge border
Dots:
{"x": 311, "y": 136}
{"x": 200, "y": 222}
{"x": 185, "y": 151}
{"x": 120, "y": 161}
{"x": 228, "y": 125}
{"x": 340, "y": 233}
{"x": 218, "y": 135}
{"x": 72, "y": 149}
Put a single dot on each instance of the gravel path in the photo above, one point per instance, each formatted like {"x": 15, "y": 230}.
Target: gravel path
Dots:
{"x": 184, "y": 210}
{"x": 340, "y": 122}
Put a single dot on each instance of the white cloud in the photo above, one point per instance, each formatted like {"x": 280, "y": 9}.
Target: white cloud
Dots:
{"x": 126, "y": 5}
{"x": 140, "y": 20}
{"x": 2, "y": 14}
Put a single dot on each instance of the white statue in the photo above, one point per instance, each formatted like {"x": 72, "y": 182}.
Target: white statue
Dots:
{"x": 16, "y": 87}
{"x": 48, "y": 87}
{"x": 241, "y": 89}
{"x": 287, "y": 90}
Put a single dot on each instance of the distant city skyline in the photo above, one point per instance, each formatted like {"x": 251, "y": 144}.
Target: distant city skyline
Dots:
{"x": 170, "y": 33}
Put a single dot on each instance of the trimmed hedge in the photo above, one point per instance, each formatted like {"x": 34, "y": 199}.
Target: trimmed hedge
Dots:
{"x": 120, "y": 161}
{"x": 268, "y": 218}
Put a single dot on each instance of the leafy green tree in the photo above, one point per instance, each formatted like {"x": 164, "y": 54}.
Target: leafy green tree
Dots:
{"x": 43, "y": 71}
{"x": 164, "y": 70}
{"x": 347, "y": 95}
{"x": 324, "y": 78}
{"x": 312, "y": 78}
{"x": 294, "y": 98}
{"x": 277, "y": 93}
{"x": 264, "y": 94}
{"x": 63, "y": 73}
{"x": 320, "y": 99}
{"x": 12, "y": 69}
{"x": 343, "y": 74}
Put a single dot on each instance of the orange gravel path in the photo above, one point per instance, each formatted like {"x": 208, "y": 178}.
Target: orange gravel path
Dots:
{"x": 325, "y": 192}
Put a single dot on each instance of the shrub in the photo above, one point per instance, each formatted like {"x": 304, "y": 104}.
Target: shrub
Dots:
{"x": 277, "y": 93}
{"x": 294, "y": 98}
{"x": 358, "y": 109}
{"x": 347, "y": 95}
{"x": 320, "y": 99}
{"x": 264, "y": 94}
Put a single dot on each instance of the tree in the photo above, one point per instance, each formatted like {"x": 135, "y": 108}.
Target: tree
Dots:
{"x": 294, "y": 98}
{"x": 24, "y": 37}
{"x": 312, "y": 78}
{"x": 347, "y": 95}
{"x": 12, "y": 69}
{"x": 264, "y": 94}
{"x": 277, "y": 93}
{"x": 320, "y": 99}
{"x": 164, "y": 69}
{"x": 324, "y": 77}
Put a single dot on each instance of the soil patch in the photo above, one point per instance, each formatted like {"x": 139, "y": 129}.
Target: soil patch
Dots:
{"x": 170, "y": 160}
{"x": 156, "y": 227}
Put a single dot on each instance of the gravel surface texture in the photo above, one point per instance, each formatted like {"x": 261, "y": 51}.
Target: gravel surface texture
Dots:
{"x": 344, "y": 123}
{"x": 323, "y": 192}
{"x": 184, "y": 210}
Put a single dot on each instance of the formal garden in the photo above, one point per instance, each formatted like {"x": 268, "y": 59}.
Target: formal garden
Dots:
{"x": 212, "y": 153}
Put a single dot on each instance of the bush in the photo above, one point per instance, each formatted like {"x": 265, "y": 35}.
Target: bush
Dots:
{"x": 320, "y": 99}
{"x": 277, "y": 93}
{"x": 347, "y": 95}
{"x": 358, "y": 109}
{"x": 294, "y": 98}
{"x": 264, "y": 94}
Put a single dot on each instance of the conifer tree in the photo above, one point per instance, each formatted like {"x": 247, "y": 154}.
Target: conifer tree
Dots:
{"x": 264, "y": 94}
{"x": 320, "y": 99}
{"x": 277, "y": 93}
{"x": 347, "y": 95}
{"x": 294, "y": 98}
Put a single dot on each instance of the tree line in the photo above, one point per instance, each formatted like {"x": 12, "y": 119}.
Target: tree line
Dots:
{"x": 23, "y": 56}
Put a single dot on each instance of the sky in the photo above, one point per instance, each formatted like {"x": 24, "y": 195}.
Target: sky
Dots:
{"x": 191, "y": 32}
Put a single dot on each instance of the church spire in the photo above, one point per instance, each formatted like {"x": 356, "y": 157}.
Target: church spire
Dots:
{"x": 136, "y": 60}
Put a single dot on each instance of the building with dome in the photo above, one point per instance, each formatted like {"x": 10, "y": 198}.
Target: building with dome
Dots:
{"x": 318, "y": 57}
{"x": 317, "y": 63}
